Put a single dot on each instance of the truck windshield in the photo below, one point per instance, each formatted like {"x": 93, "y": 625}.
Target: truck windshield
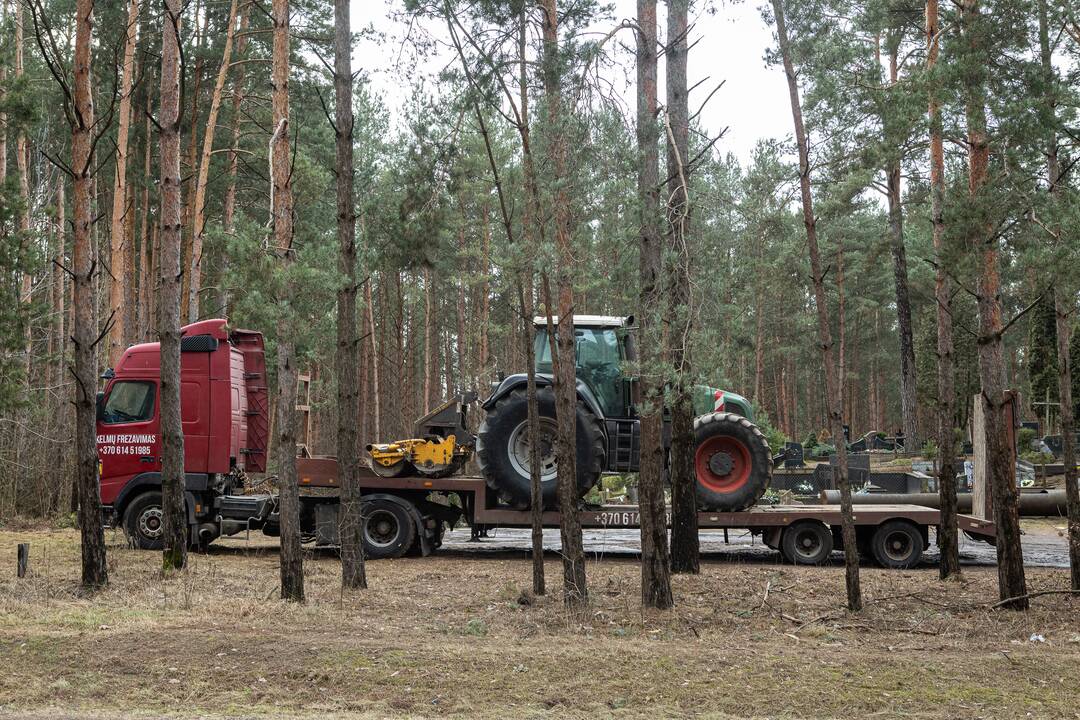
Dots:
{"x": 130, "y": 401}
{"x": 598, "y": 359}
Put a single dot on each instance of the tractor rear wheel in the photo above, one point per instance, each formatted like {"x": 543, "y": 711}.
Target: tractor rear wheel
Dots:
{"x": 731, "y": 462}
{"x": 503, "y": 446}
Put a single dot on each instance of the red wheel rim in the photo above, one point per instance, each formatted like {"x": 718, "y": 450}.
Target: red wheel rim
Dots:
{"x": 740, "y": 463}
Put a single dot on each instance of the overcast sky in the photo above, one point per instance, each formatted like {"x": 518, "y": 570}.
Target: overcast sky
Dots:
{"x": 752, "y": 104}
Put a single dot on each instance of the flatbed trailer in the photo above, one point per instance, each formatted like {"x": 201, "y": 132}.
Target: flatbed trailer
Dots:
{"x": 892, "y": 535}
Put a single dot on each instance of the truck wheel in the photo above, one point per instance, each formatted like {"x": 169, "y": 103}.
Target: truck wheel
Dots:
{"x": 897, "y": 544}
{"x": 144, "y": 522}
{"x": 731, "y": 461}
{"x": 807, "y": 542}
{"x": 389, "y": 530}
{"x": 503, "y": 443}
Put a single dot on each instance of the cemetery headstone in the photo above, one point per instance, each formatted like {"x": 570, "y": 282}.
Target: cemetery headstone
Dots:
{"x": 794, "y": 455}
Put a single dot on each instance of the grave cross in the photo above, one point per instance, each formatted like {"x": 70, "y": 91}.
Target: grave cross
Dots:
{"x": 1048, "y": 404}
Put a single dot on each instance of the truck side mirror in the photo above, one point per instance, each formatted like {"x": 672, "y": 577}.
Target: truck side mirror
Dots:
{"x": 100, "y": 407}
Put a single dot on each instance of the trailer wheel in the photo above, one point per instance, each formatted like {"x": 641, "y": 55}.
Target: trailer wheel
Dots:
{"x": 144, "y": 522}
{"x": 807, "y": 542}
{"x": 732, "y": 463}
{"x": 388, "y": 530}
{"x": 897, "y": 544}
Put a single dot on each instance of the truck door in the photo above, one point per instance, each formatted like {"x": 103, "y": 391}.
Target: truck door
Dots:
{"x": 128, "y": 437}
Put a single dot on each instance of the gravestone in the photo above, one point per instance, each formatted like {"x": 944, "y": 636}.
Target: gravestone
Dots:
{"x": 794, "y": 455}
{"x": 858, "y": 468}
{"x": 881, "y": 443}
{"x": 1054, "y": 443}
{"x": 923, "y": 466}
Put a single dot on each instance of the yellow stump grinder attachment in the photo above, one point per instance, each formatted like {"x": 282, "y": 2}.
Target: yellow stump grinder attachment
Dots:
{"x": 443, "y": 450}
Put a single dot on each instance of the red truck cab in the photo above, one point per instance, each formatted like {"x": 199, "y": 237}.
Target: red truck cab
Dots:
{"x": 224, "y": 412}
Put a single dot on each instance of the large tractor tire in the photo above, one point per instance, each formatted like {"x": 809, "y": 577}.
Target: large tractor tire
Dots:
{"x": 502, "y": 449}
{"x": 731, "y": 462}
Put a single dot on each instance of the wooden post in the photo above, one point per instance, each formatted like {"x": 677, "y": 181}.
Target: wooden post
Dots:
{"x": 981, "y": 499}
{"x": 303, "y": 408}
{"x": 24, "y": 559}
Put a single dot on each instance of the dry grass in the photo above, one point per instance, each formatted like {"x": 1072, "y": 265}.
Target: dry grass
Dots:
{"x": 458, "y": 637}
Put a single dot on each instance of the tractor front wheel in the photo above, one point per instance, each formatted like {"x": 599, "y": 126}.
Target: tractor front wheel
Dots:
{"x": 731, "y": 462}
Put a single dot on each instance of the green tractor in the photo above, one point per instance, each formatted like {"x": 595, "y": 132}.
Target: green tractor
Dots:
{"x": 732, "y": 462}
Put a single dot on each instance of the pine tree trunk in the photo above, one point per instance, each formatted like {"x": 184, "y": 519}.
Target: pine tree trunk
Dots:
{"x": 120, "y": 309}
{"x": 684, "y": 528}
{"x": 833, "y": 389}
{"x": 59, "y": 398}
{"x": 529, "y": 232}
{"x": 58, "y": 293}
{"x": 94, "y": 570}
{"x": 168, "y": 303}
{"x": 575, "y": 591}
{"x": 22, "y": 158}
{"x": 655, "y": 563}
{"x": 3, "y": 131}
{"x": 759, "y": 333}
{"x": 376, "y": 358}
{"x": 229, "y": 202}
{"x": 467, "y": 381}
{"x": 147, "y": 290}
{"x": 292, "y": 569}
{"x": 430, "y": 352}
{"x": 130, "y": 297}
{"x": 948, "y": 534}
{"x": 485, "y": 291}
{"x": 909, "y": 407}
{"x": 353, "y": 575}
{"x": 194, "y": 269}
{"x": 187, "y": 214}
{"x": 1065, "y": 308}
{"x": 841, "y": 319}
{"x": 1064, "y": 311}
{"x": 1011, "y": 581}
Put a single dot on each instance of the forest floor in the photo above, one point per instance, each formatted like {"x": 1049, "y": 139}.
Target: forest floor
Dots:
{"x": 458, "y": 635}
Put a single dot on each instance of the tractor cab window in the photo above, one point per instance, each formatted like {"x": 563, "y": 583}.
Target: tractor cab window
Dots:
{"x": 130, "y": 401}
{"x": 598, "y": 363}
{"x": 542, "y": 349}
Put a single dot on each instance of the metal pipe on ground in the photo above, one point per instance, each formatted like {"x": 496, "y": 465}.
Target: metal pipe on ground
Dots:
{"x": 1047, "y": 503}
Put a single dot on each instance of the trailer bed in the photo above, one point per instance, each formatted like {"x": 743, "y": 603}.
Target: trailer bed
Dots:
{"x": 474, "y": 492}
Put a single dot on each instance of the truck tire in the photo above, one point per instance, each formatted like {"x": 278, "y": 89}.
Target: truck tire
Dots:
{"x": 389, "y": 530}
{"x": 144, "y": 522}
{"x": 502, "y": 449}
{"x": 897, "y": 544}
{"x": 807, "y": 542}
{"x": 732, "y": 463}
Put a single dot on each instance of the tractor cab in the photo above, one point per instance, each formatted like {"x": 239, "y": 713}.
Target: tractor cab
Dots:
{"x": 602, "y": 347}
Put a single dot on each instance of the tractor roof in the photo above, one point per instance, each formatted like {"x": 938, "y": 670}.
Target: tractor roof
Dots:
{"x": 594, "y": 321}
